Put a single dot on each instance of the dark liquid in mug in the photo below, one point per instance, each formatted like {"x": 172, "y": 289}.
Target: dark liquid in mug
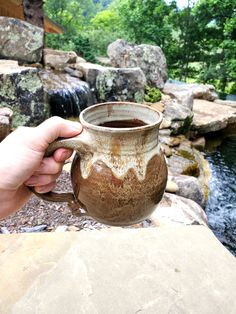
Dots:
{"x": 132, "y": 123}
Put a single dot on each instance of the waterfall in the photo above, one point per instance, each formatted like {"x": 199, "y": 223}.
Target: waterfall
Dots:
{"x": 67, "y": 96}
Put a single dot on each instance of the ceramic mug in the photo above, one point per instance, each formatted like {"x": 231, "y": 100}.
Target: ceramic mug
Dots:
{"x": 119, "y": 172}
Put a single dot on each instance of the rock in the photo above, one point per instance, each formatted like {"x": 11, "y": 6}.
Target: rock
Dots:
{"x": 189, "y": 187}
{"x": 179, "y": 115}
{"x": 67, "y": 96}
{"x": 166, "y": 124}
{"x": 158, "y": 106}
{"x": 104, "y": 61}
{"x": 166, "y": 270}
{"x": 61, "y": 229}
{"x": 34, "y": 229}
{"x": 5, "y": 127}
{"x": 72, "y": 228}
{"x": 58, "y": 59}
{"x": 5, "y": 122}
{"x": 164, "y": 132}
{"x": 90, "y": 72}
{"x": 171, "y": 186}
{"x": 150, "y": 59}
{"x": 123, "y": 84}
{"x": 22, "y": 92}
{"x": 199, "y": 143}
{"x": 181, "y": 165}
{"x": 80, "y": 60}
{"x": 20, "y": 40}
{"x": 166, "y": 149}
{"x": 174, "y": 209}
{"x": 225, "y": 102}
{"x": 112, "y": 84}
{"x": 4, "y": 230}
{"x": 211, "y": 117}
{"x": 73, "y": 72}
{"x": 200, "y": 91}
{"x": 171, "y": 141}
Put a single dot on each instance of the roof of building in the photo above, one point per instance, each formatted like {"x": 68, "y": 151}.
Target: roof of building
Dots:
{"x": 14, "y": 8}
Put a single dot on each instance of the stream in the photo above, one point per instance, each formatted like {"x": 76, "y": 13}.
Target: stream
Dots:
{"x": 221, "y": 206}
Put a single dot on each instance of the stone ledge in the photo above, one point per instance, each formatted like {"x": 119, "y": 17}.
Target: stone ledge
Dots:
{"x": 166, "y": 270}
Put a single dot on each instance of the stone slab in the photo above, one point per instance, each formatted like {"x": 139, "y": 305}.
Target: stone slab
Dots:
{"x": 211, "y": 116}
{"x": 167, "y": 270}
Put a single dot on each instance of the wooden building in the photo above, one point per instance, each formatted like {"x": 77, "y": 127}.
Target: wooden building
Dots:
{"x": 30, "y": 11}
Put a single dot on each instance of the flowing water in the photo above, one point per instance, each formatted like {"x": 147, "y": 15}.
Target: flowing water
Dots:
{"x": 67, "y": 96}
{"x": 221, "y": 206}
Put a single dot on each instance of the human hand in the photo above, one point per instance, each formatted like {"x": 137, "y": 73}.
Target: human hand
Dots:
{"x": 22, "y": 161}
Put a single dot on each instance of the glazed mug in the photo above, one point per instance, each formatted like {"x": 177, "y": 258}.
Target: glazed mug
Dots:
{"x": 119, "y": 172}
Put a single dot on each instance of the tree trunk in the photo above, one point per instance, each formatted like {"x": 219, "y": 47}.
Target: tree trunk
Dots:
{"x": 33, "y": 12}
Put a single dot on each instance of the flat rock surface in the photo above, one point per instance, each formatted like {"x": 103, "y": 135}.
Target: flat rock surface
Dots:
{"x": 211, "y": 116}
{"x": 168, "y": 270}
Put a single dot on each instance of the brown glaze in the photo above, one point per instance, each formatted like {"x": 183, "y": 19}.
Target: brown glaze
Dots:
{"x": 115, "y": 201}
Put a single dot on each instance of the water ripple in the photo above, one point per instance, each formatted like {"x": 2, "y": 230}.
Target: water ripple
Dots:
{"x": 221, "y": 206}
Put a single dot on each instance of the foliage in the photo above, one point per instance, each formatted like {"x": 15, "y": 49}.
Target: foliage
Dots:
{"x": 145, "y": 21}
{"x": 199, "y": 41}
{"x": 152, "y": 94}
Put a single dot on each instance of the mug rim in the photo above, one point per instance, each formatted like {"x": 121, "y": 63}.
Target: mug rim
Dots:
{"x": 133, "y": 129}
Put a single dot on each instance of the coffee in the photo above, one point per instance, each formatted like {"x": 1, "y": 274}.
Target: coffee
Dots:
{"x": 132, "y": 123}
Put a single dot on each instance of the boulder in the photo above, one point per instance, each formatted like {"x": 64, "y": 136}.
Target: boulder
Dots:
{"x": 226, "y": 102}
{"x": 58, "y": 59}
{"x": 114, "y": 84}
{"x": 22, "y": 92}
{"x": 189, "y": 187}
{"x": 90, "y": 72}
{"x": 211, "y": 116}
{"x": 199, "y": 143}
{"x": 150, "y": 59}
{"x": 5, "y": 122}
{"x": 20, "y": 40}
{"x": 178, "y": 115}
{"x": 200, "y": 91}
{"x": 179, "y": 270}
{"x": 67, "y": 96}
{"x": 123, "y": 84}
{"x": 177, "y": 210}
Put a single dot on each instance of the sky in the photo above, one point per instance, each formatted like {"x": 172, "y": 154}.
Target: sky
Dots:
{"x": 181, "y": 3}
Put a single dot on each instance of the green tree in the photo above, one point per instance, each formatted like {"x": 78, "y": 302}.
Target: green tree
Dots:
{"x": 146, "y": 21}
{"x": 217, "y": 24}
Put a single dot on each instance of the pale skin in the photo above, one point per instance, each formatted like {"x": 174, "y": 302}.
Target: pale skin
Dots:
{"x": 22, "y": 162}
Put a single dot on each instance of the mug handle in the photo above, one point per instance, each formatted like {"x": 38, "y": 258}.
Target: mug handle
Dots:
{"x": 83, "y": 145}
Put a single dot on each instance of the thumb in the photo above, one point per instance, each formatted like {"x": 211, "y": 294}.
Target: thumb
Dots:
{"x": 55, "y": 127}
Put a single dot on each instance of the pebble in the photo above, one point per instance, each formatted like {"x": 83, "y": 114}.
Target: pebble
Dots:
{"x": 62, "y": 228}
{"x": 34, "y": 229}
{"x": 171, "y": 187}
{"x": 4, "y": 230}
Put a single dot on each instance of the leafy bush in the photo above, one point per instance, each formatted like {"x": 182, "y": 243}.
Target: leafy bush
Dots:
{"x": 152, "y": 94}
{"x": 77, "y": 42}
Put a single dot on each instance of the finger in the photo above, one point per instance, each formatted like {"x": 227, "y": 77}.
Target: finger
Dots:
{"x": 49, "y": 166}
{"x": 55, "y": 127}
{"x": 61, "y": 154}
{"x": 45, "y": 188}
{"x": 41, "y": 180}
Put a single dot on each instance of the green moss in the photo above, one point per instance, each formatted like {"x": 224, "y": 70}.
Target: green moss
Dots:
{"x": 193, "y": 170}
{"x": 186, "y": 154}
{"x": 152, "y": 94}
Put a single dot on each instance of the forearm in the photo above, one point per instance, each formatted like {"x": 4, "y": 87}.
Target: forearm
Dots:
{"x": 11, "y": 201}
